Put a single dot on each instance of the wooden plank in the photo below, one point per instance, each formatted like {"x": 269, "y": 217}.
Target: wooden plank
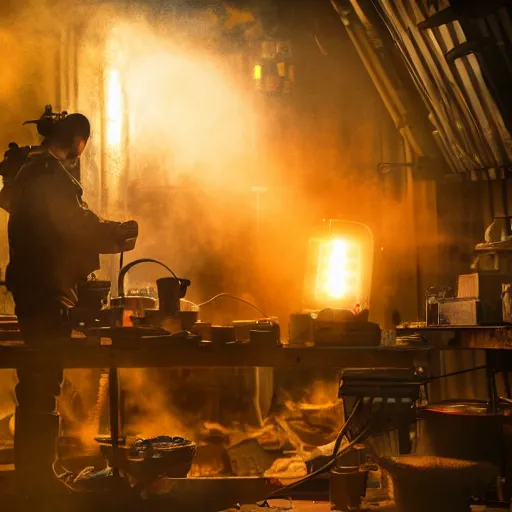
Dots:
{"x": 83, "y": 356}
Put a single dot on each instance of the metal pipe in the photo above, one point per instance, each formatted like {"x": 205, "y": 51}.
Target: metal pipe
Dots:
{"x": 380, "y": 78}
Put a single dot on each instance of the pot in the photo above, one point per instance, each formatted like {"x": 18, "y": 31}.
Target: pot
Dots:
{"x": 461, "y": 430}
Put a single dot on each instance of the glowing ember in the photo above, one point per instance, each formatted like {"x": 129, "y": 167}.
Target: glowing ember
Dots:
{"x": 339, "y": 270}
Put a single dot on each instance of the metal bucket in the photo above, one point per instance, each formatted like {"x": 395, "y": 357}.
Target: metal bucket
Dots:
{"x": 461, "y": 430}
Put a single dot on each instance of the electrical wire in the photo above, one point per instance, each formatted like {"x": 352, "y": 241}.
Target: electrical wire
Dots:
{"x": 323, "y": 469}
{"x": 190, "y": 302}
{"x": 234, "y": 297}
{"x": 326, "y": 467}
{"x": 454, "y": 374}
{"x": 339, "y": 438}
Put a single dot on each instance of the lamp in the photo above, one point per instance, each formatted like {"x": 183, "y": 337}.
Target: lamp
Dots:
{"x": 339, "y": 269}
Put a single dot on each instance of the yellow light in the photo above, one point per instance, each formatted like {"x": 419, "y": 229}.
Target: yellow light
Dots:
{"x": 339, "y": 270}
{"x": 114, "y": 108}
{"x": 257, "y": 72}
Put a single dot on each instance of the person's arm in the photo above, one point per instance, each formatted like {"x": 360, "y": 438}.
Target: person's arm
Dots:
{"x": 108, "y": 237}
{"x": 53, "y": 197}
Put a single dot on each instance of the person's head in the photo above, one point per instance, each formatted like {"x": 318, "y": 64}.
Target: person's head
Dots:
{"x": 71, "y": 135}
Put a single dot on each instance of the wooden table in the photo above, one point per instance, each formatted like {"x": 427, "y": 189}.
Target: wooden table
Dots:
{"x": 168, "y": 352}
{"x": 150, "y": 354}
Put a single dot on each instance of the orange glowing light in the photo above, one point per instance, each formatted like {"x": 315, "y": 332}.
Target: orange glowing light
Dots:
{"x": 257, "y": 72}
{"x": 114, "y": 108}
{"x": 339, "y": 265}
{"x": 339, "y": 270}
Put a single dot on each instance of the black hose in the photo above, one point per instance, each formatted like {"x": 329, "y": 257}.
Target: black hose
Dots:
{"x": 335, "y": 454}
{"x": 339, "y": 438}
{"x": 323, "y": 469}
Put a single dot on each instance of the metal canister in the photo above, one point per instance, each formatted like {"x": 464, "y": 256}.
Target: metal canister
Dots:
{"x": 222, "y": 334}
{"x": 300, "y": 329}
{"x": 188, "y": 319}
{"x": 203, "y": 329}
{"x": 460, "y": 430}
{"x": 169, "y": 295}
{"x": 347, "y": 485}
{"x": 243, "y": 329}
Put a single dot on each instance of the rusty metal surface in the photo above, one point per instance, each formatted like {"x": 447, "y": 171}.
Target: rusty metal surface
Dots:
{"x": 499, "y": 338}
{"x": 464, "y": 337}
{"x": 80, "y": 354}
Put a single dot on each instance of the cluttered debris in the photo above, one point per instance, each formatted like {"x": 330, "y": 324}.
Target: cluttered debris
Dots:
{"x": 283, "y": 448}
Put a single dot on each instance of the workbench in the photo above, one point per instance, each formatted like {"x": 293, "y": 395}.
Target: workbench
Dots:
{"x": 166, "y": 351}
{"x": 82, "y": 354}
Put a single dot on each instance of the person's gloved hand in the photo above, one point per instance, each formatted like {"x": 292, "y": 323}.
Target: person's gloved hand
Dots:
{"x": 127, "y": 235}
{"x": 130, "y": 229}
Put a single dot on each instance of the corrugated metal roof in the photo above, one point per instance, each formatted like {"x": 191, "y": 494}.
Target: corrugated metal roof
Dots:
{"x": 459, "y": 55}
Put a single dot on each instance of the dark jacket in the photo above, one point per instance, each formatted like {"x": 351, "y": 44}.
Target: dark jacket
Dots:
{"x": 54, "y": 239}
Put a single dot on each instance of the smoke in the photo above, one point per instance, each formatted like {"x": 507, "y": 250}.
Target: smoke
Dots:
{"x": 226, "y": 184}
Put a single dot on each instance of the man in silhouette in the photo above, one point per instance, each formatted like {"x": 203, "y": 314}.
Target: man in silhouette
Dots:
{"x": 54, "y": 243}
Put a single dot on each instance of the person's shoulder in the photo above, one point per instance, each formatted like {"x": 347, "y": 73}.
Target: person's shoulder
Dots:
{"x": 40, "y": 166}
{"x": 43, "y": 160}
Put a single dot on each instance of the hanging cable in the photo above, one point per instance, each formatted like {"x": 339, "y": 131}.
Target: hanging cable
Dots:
{"x": 234, "y": 297}
{"x": 186, "y": 301}
{"x": 454, "y": 374}
{"x": 339, "y": 438}
{"x": 323, "y": 469}
{"x": 335, "y": 454}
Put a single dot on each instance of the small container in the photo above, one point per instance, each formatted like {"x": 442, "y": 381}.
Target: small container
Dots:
{"x": 188, "y": 319}
{"x": 266, "y": 333}
{"x": 347, "y": 485}
{"x": 93, "y": 294}
{"x": 169, "y": 295}
{"x": 264, "y": 339}
{"x": 243, "y": 329}
{"x": 301, "y": 329}
{"x": 203, "y": 329}
{"x": 222, "y": 334}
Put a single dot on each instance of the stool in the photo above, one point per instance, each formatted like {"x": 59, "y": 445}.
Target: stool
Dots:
{"x": 427, "y": 483}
